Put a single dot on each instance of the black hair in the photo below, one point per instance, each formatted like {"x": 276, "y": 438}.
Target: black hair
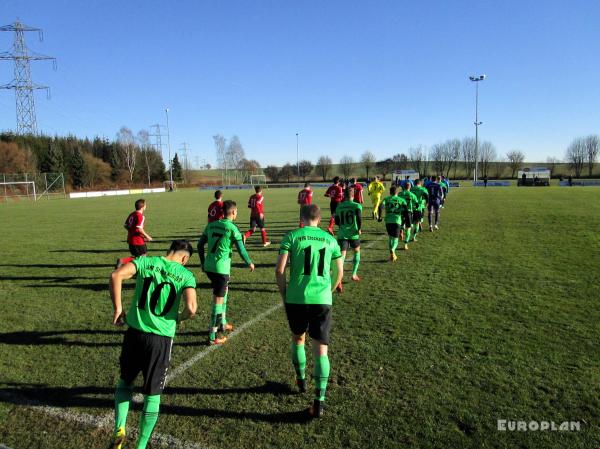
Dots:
{"x": 140, "y": 203}
{"x": 218, "y": 194}
{"x": 181, "y": 245}
{"x": 393, "y": 189}
{"x": 228, "y": 206}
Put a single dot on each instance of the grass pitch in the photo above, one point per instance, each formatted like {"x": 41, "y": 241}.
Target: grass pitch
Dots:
{"x": 493, "y": 317}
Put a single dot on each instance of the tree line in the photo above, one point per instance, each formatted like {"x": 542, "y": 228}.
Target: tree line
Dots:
{"x": 127, "y": 160}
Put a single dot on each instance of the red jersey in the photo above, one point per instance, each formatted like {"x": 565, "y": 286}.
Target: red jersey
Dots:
{"x": 215, "y": 211}
{"x": 335, "y": 193}
{"x": 255, "y": 203}
{"x": 358, "y": 193}
{"x": 305, "y": 197}
{"x": 133, "y": 224}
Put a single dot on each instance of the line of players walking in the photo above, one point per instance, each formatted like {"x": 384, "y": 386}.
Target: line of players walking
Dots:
{"x": 315, "y": 259}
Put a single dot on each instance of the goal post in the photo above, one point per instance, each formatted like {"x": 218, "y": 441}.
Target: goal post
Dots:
{"x": 170, "y": 186}
{"x": 18, "y": 189}
{"x": 256, "y": 180}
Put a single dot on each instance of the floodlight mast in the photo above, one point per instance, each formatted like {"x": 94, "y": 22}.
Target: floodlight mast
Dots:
{"x": 476, "y": 80}
{"x": 297, "y": 157}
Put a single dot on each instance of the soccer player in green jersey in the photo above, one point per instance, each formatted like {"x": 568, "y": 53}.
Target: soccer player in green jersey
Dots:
{"x": 422, "y": 195}
{"x": 152, "y": 318}
{"x": 307, "y": 296}
{"x": 221, "y": 236}
{"x": 393, "y": 206}
{"x": 348, "y": 216}
{"x": 412, "y": 203}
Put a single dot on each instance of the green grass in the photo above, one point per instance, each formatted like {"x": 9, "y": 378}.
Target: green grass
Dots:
{"x": 493, "y": 317}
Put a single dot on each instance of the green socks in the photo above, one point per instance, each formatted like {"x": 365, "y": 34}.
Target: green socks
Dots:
{"x": 407, "y": 235}
{"x": 321, "y": 376}
{"x": 298, "y": 359}
{"x": 123, "y": 394}
{"x": 355, "y": 263}
{"x": 148, "y": 419}
{"x": 215, "y": 320}
{"x": 224, "y": 312}
{"x": 393, "y": 243}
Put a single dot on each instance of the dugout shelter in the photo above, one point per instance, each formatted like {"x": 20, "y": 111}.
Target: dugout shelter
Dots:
{"x": 536, "y": 176}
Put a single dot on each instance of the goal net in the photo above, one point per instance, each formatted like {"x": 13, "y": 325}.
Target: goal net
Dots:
{"x": 18, "y": 189}
{"x": 258, "y": 180}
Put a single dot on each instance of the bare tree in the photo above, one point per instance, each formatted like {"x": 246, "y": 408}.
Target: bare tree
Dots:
{"x": 487, "y": 154}
{"x": 515, "y": 160}
{"x": 576, "y": 155}
{"x": 416, "y": 158}
{"x": 221, "y": 149}
{"x": 498, "y": 165}
{"x": 591, "y": 148}
{"x": 452, "y": 155}
{"x": 385, "y": 167}
{"x": 552, "y": 161}
{"x": 235, "y": 154}
{"x": 468, "y": 154}
{"x": 400, "y": 161}
{"x": 323, "y": 166}
{"x": 287, "y": 171}
{"x": 128, "y": 149}
{"x": 306, "y": 167}
{"x": 346, "y": 163}
{"x": 436, "y": 156}
{"x": 368, "y": 160}
{"x": 143, "y": 139}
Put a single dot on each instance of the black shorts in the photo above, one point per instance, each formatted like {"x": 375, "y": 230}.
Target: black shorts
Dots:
{"x": 417, "y": 216}
{"x": 257, "y": 222}
{"x": 406, "y": 219}
{"x": 138, "y": 250}
{"x": 148, "y": 353}
{"x": 332, "y": 207}
{"x": 393, "y": 229}
{"x": 348, "y": 243}
{"x": 314, "y": 318}
{"x": 219, "y": 282}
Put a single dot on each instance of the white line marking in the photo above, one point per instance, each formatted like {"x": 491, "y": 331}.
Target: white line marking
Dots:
{"x": 96, "y": 421}
{"x": 106, "y": 420}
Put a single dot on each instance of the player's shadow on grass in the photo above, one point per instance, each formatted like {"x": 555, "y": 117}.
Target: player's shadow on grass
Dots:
{"x": 91, "y": 286}
{"x": 91, "y": 250}
{"x": 103, "y": 397}
{"x": 69, "y": 337}
{"x": 54, "y": 265}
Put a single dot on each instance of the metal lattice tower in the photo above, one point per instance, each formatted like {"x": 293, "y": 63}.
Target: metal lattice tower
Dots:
{"x": 158, "y": 134}
{"x": 22, "y": 84}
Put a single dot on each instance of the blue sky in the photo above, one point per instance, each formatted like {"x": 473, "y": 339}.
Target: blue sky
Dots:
{"x": 348, "y": 76}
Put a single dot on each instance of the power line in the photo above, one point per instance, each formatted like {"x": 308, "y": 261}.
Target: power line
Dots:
{"x": 22, "y": 84}
{"x": 158, "y": 134}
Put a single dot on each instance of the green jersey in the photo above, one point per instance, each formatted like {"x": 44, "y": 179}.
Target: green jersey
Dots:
{"x": 422, "y": 195}
{"x": 348, "y": 216}
{"x": 221, "y": 236}
{"x": 157, "y": 296}
{"x": 412, "y": 203}
{"x": 393, "y": 206}
{"x": 311, "y": 251}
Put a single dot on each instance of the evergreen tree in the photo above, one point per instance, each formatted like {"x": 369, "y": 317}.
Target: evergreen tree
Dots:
{"x": 177, "y": 169}
{"x": 52, "y": 160}
{"x": 77, "y": 169}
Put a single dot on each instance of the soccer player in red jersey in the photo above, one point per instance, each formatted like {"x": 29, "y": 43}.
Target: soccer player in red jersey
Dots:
{"x": 305, "y": 198}
{"x": 136, "y": 236}
{"x": 335, "y": 193}
{"x": 215, "y": 210}
{"x": 257, "y": 216}
{"x": 358, "y": 191}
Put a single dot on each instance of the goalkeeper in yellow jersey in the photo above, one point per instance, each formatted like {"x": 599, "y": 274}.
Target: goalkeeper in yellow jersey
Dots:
{"x": 376, "y": 189}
